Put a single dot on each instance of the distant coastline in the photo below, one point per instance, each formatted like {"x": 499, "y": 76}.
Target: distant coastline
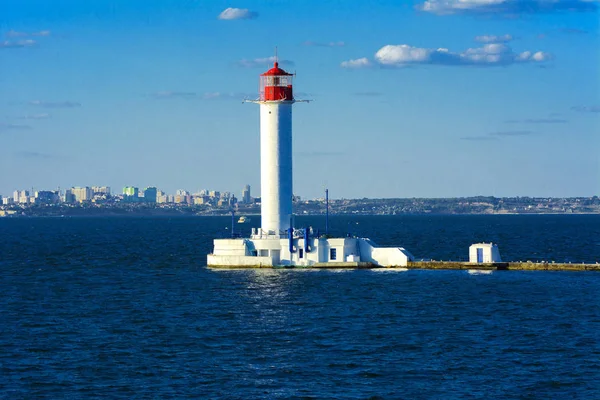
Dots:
{"x": 480, "y": 205}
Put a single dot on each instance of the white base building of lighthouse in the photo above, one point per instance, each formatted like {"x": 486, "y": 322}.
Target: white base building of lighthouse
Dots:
{"x": 303, "y": 250}
{"x": 276, "y": 243}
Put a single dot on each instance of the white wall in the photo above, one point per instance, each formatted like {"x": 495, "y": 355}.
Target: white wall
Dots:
{"x": 230, "y": 247}
{"x": 384, "y": 256}
{"x": 238, "y": 261}
{"x": 491, "y": 253}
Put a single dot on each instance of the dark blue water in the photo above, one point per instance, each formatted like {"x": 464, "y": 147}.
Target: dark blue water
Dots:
{"x": 124, "y": 308}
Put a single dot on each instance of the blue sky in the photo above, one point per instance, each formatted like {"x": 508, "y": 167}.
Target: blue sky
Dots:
{"x": 432, "y": 98}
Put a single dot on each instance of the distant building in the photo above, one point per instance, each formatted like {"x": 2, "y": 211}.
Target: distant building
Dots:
{"x": 150, "y": 195}
{"x": 100, "y": 194}
{"x": 82, "y": 193}
{"x": 162, "y": 198}
{"x": 180, "y": 199}
{"x": 246, "y": 195}
{"x": 131, "y": 191}
{"x": 46, "y": 197}
{"x": 214, "y": 194}
{"x": 69, "y": 197}
{"x": 21, "y": 196}
{"x": 200, "y": 200}
{"x": 101, "y": 190}
{"x": 131, "y": 194}
{"x": 226, "y": 201}
{"x": 181, "y": 192}
{"x": 7, "y": 201}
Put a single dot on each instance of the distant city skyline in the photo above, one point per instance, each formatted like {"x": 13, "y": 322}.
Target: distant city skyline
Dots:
{"x": 410, "y": 99}
{"x": 129, "y": 194}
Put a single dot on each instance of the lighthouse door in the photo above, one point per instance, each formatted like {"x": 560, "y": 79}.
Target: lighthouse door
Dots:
{"x": 480, "y": 255}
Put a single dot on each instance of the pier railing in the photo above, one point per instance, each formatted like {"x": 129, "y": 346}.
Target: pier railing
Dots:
{"x": 258, "y": 233}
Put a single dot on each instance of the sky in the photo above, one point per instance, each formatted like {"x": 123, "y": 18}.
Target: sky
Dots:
{"x": 438, "y": 98}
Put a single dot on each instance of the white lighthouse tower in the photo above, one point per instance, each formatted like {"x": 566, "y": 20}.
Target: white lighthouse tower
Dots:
{"x": 277, "y": 242}
{"x": 276, "y": 98}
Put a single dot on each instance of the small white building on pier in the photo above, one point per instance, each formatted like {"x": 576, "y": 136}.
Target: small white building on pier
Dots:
{"x": 484, "y": 253}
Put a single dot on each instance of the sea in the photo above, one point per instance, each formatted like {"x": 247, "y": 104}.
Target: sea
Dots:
{"x": 125, "y": 308}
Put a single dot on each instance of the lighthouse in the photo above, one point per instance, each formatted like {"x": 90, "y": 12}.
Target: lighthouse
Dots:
{"x": 278, "y": 242}
{"x": 276, "y": 98}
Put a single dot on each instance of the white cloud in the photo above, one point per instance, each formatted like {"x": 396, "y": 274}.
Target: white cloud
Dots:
{"x": 35, "y": 154}
{"x": 213, "y": 95}
{"x": 496, "y": 135}
{"x": 169, "y": 94}
{"x": 16, "y": 43}
{"x": 16, "y": 127}
{"x": 266, "y": 62}
{"x": 13, "y": 33}
{"x": 402, "y": 54}
{"x": 7, "y": 44}
{"x": 512, "y": 133}
{"x": 493, "y": 38}
{"x": 573, "y": 31}
{"x": 227, "y": 96}
{"x": 36, "y": 116}
{"x": 442, "y": 7}
{"x": 237, "y": 13}
{"x": 489, "y": 54}
{"x": 368, "y": 94}
{"x": 478, "y": 138}
{"x": 322, "y": 44}
{"x": 540, "y": 56}
{"x": 55, "y": 104}
{"x": 537, "y": 121}
{"x": 592, "y": 109}
{"x": 492, "y": 53}
{"x": 358, "y": 63}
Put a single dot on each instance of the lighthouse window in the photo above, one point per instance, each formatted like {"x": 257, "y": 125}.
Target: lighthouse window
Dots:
{"x": 332, "y": 254}
{"x": 300, "y": 253}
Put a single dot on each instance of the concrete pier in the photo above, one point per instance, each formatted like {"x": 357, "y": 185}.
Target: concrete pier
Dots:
{"x": 441, "y": 265}
{"x": 506, "y": 266}
{"x": 531, "y": 266}
{"x": 456, "y": 265}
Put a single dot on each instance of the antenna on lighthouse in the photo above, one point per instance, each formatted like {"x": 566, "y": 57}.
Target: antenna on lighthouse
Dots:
{"x": 326, "y": 211}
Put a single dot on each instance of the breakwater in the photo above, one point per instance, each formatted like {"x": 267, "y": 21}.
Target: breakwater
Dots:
{"x": 510, "y": 266}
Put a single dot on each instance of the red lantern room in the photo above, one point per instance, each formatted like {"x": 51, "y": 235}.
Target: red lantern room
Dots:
{"x": 276, "y": 85}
